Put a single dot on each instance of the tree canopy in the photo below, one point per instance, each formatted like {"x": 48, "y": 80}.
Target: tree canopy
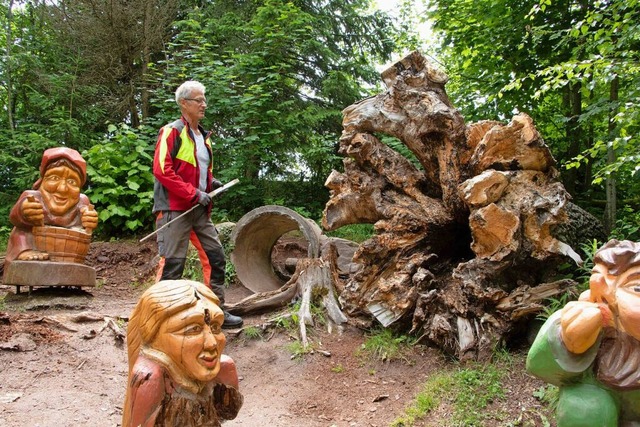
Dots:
{"x": 573, "y": 66}
{"x": 99, "y": 76}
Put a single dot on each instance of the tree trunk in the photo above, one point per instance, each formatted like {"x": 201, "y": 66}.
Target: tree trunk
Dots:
{"x": 610, "y": 210}
{"x": 464, "y": 240}
{"x": 8, "y": 67}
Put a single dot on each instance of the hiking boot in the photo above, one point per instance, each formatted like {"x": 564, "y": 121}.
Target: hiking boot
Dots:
{"x": 231, "y": 321}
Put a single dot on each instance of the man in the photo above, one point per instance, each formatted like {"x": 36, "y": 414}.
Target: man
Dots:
{"x": 182, "y": 167}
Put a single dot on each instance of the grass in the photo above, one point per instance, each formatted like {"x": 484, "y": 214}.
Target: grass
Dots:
{"x": 469, "y": 391}
{"x": 355, "y": 232}
{"x": 252, "y": 332}
{"x": 382, "y": 344}
{"x": 549, "y": 395}
{"x": 338, "y": 368}
{"x": 426, "y": 401}
{"x": 3, "y": 305}
{"x": 298, "y": 350}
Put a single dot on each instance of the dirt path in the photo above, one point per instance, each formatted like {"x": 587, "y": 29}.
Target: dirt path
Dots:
{"x": 56, "y": 371}
{"x": 77, "y": 372}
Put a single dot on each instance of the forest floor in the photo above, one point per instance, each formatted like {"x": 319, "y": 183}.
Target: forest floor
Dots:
{"x": 63, "y": 363}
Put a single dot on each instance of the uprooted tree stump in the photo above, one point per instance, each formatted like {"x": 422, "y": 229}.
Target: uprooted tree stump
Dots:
{"x": 466, "y": 242}
{"x": 470, "y": 228}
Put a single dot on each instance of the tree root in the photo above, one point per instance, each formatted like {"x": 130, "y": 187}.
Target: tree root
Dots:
{"x": 313, "y": 279}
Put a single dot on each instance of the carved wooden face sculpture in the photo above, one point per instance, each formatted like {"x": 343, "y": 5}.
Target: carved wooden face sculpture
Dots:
{"x": 193, "y": 340}
{"x": 60, "y": 189}
{"x": 615, "y": 282}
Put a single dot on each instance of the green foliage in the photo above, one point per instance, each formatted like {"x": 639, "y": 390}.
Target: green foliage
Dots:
{"x": 287, "y": 321}
{"x": 604, "y": 39}
{"x": 44, "y": 106}
{"x": 468, "y": 390}
{"x": 477, "y": 389}
{"x": 224, "y": 233}
{"x": 581, "y": 275}
{"x": 121, "y": 180}
{"x": 627, "y": 225}
{"x": 278, "y": 75}
{"x": 425, "y": 402}
{"x": 355, "y": 232}
{"x": 573, "y": 68}
{"x": 4, "y": 238}
{"x": 548, "y": 395}
{"x": 193, "y": 266}
{"x": 298, "y": 350}
{"x": 584, "y": 271}
{"x": 306, "y": 198}
{"x": 382, "y": 344}
{"x": 338, "y": 369}
{"x": 252, "y": 332}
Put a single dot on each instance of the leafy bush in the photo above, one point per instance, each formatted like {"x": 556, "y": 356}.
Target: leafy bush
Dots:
{"x": 4, "y": 237}
{"x": 628, "y": 225}
{"x": 120, "y": 180}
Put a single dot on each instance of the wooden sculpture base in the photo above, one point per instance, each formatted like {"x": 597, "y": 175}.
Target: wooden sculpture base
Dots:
{"x": 48, "y": 273}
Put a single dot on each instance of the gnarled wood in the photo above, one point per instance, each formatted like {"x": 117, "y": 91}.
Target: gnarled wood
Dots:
{"x": 465, "y": 238}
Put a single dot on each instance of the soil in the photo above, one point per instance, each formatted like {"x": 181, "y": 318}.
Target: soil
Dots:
{"x": 63, "y": 361}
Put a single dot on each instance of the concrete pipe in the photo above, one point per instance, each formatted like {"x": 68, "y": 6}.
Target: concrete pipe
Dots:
{"x": 254, "y": 237}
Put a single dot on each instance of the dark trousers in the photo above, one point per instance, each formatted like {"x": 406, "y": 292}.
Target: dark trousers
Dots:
{"x": 173, "y": 243}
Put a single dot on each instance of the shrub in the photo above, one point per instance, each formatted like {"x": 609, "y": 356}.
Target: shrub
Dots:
{"x": 120, "y": 180}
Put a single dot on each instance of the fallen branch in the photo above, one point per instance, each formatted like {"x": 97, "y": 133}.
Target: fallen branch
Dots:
{"x": 110, "y": 324}
{"x": 117, "y": 331}
{"x": 54, "y": 322}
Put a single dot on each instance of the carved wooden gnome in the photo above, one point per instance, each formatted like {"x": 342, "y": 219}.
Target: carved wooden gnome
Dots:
{"x": 591, "y": 347}
{"x": 178, "y": 375}
{"x": 54, "y": 203}
{"x": 53, "y": 223}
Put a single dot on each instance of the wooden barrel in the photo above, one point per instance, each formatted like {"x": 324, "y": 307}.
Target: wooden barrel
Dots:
{"x": 62, "y": 244}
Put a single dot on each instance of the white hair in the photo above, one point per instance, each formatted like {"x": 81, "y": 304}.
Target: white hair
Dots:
{"x": 185, "y": 89}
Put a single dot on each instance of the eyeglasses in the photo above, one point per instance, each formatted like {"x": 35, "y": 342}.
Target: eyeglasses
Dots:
{"x": 198, "y": 100}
